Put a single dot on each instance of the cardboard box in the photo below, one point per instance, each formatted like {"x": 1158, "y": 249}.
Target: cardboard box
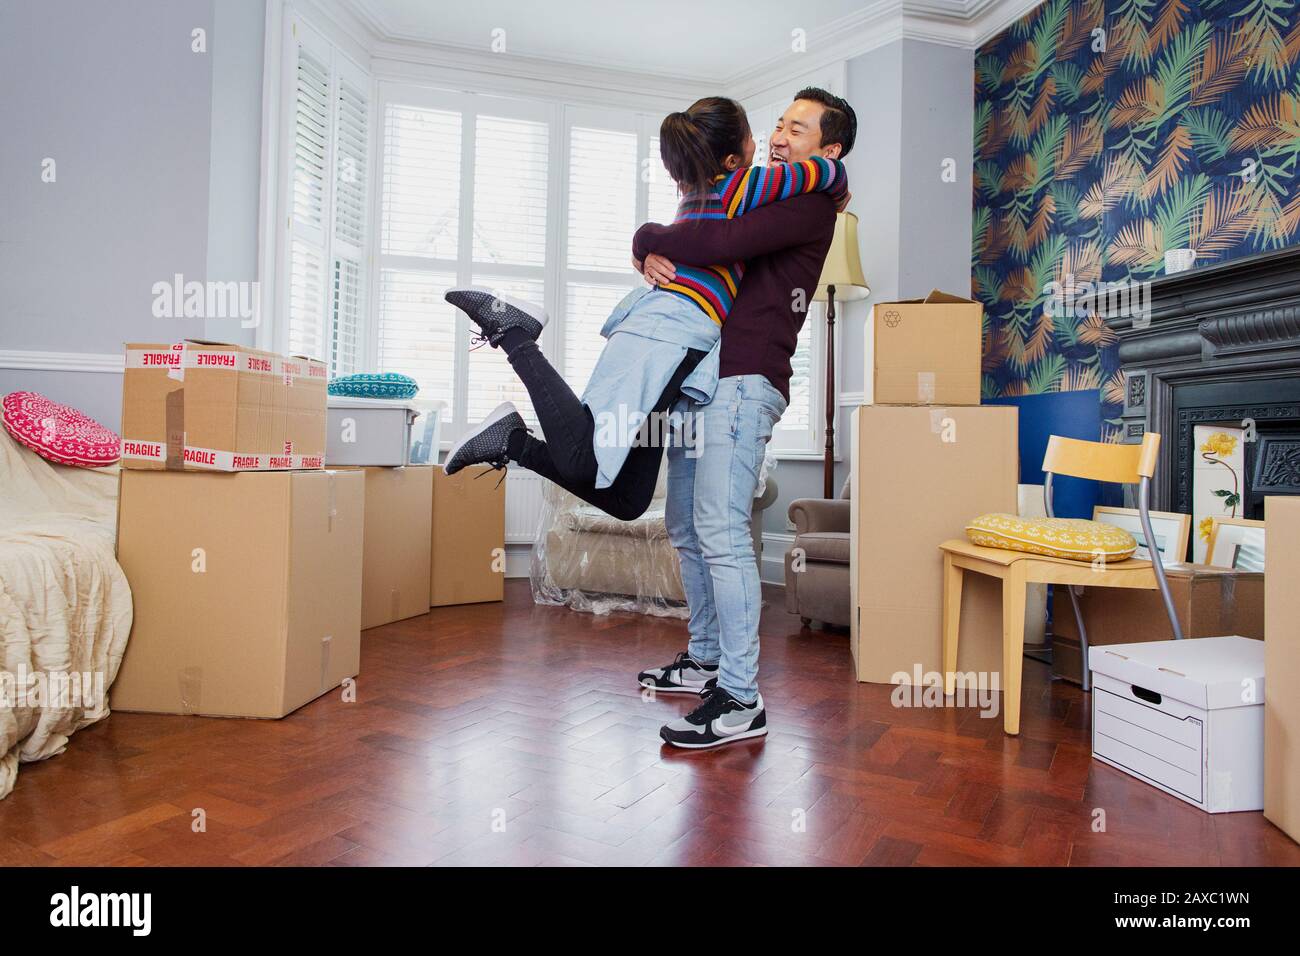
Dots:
{"x": 1210, "y": 602}
{"x": 1282, "y": 665}
{"x": 395, "y": 568}
{"x": 368, "y": 431}
{"x": 919, "y": 475}
{"x": 1184, "y": 716}
{"x": 924, "y": 351}
{"x": 246, "y": 587}
{"x": 208, "y": 406}
{"x": 468, "y": 539}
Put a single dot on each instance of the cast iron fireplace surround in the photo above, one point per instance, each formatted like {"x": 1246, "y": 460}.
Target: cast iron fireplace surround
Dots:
{"x": 1222, "y": 346}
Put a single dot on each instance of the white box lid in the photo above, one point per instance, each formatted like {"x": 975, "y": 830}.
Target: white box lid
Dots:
{"x": 347, "y": 401}
{"x": 1206, "y": 672}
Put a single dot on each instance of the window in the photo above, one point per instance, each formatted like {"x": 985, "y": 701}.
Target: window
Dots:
{"x": 535, "y": 201}
{"x": 324, "y": 292}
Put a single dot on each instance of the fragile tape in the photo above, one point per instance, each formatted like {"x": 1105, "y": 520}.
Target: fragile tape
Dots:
{"x": 184, "y": 356}
{"x": 219, "y": 460}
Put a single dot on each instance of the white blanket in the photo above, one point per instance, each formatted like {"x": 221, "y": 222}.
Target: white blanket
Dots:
{"x": 65, "y": 606}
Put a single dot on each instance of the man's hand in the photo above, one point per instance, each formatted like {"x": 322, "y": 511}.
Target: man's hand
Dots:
{"x": 658, "y": 270}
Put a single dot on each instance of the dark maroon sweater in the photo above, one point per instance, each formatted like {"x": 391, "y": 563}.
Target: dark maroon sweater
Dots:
{"x": 783, "y": 246}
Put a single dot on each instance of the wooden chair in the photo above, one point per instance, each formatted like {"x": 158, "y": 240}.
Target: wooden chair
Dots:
{"x": 1099, "y": 461}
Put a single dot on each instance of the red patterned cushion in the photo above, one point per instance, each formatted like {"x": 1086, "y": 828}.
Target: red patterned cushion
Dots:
{"x": 58, "y": 433}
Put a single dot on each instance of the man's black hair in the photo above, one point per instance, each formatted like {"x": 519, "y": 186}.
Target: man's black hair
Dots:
{"x": 839, "y": 122}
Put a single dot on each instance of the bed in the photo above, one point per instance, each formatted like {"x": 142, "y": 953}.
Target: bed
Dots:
{"x": 65, "y": 606}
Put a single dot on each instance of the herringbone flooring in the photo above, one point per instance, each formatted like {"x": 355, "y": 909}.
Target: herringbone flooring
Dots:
{"x": 515, "y": 734}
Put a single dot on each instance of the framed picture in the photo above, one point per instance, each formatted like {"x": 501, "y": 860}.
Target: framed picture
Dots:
{"x": 1236, "y": 543}
{"x": 1171, "y": 531}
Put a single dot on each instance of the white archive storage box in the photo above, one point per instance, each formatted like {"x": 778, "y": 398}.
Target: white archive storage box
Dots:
{"x": 1185, "y": 716}
{"x": 368, "y": 431}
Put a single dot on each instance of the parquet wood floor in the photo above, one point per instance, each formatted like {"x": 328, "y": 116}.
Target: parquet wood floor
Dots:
{"x": 515, "y": 734}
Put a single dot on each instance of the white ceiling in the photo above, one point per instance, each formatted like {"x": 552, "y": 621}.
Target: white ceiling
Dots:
{"x": 697, "y": 39}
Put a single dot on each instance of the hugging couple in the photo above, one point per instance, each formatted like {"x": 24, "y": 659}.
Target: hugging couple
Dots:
{"x": 709, "y": 339}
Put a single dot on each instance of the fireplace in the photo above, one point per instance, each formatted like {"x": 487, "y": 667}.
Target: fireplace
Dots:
{"x": 1222, "y": 348}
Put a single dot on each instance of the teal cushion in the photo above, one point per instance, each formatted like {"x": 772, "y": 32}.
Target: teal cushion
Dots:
{"x": 375, "y": 385}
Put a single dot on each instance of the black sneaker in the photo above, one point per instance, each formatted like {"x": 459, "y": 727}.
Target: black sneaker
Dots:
{"x": 487, "y": 442}
{"x": 493, "y": 313}
{"x": 683, "y": 676}
{"x": 720, "y": 719}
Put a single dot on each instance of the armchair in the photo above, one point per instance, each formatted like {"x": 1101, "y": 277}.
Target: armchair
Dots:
{"x": 819, "y": 592}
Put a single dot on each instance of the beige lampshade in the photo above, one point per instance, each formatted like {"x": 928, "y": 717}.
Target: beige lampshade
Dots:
{"x": 843, "y": 268}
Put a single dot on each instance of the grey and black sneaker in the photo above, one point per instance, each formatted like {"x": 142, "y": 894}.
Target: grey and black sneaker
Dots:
{"x": 720, "y": 719}
{"x": 684, "y": 675}
{"x": 487, "y": 443}
{"x": 493, "y": 313}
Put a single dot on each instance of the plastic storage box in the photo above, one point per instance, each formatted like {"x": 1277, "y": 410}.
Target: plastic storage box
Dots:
{"x": 368, "y": 431}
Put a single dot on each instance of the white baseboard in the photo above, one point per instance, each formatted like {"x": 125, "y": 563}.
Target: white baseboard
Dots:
{"x": 518, "y": 559}
{"x": 99, "y": 362}
{"x": 771, "y": 569}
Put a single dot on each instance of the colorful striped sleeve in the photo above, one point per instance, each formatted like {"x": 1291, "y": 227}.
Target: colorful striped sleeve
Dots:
{"x": 747, "y": 189}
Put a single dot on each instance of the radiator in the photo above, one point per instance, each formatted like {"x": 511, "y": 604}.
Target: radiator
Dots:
{"x": 523, "y": 505}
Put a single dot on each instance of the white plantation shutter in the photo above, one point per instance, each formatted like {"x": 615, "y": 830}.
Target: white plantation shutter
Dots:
{"x": 421, "y": 182}
{"x": 663, "y": 198}
{"x": 602, "y": 198}
{"x": 510, "y": 174}
{"x": 417, "y": 331}
{"x": 465, "y": 200}
{"x": 351, "y": 178}
{"x": 326, "y": 269}
{"x": 586, "y": 307}
{"x": 310, "y": 158}
{"x": 491, "y": 378}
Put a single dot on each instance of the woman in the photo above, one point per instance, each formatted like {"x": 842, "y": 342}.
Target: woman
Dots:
{"x": 661, "y": 342}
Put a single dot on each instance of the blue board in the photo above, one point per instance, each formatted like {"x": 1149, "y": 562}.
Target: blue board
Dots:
{"x": 1071, "y": 415}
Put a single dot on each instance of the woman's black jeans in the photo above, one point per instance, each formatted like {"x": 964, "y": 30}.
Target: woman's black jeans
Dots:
{"x": 568, "y": 455}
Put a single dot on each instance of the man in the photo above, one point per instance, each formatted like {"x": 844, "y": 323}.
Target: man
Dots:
{"x": 710, "y": 496}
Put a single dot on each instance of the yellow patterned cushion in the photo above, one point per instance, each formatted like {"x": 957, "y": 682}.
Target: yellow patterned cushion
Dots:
{"x": 1071, "y": 538}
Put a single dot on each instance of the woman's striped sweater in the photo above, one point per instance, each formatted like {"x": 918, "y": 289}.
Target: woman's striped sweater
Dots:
{"x": 713, "y": 288}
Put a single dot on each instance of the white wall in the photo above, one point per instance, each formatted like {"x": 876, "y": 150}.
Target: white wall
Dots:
{"x": 914, "y": 102}
{"x": 156, "y": 151}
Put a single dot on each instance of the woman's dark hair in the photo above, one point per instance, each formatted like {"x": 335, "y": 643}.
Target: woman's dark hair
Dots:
{"x": 694, "y": 143}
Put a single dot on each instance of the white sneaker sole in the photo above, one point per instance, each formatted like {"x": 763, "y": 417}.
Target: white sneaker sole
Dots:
{"x": 678, "y": 689}
{"x": 498, "y": 413}
{"x": 746, "y": 735}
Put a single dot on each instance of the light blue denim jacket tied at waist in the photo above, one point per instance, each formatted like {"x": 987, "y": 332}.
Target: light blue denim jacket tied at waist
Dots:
{"x": 648, "y": 335}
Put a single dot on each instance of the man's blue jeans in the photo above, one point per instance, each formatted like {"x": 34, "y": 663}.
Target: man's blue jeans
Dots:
{"x": 709, "y": 506}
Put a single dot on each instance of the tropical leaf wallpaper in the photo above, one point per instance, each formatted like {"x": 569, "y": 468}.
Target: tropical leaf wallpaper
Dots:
{"x": 1107, "y": 132}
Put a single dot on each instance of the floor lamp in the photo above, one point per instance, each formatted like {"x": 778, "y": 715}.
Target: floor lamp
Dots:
{"x": 841, "y": 281}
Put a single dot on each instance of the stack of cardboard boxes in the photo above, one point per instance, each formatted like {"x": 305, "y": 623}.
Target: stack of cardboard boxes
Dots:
{"x": 256, "y": 550}
{"x": 431, "y": 540}
{"x": 373, "y": 435}
{"x": 926, "y": 458}
{"x": 243, "y": 553}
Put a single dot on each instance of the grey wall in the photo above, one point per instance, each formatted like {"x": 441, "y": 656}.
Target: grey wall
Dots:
{"x": 914, "y": 102}
{"x": 157, "y": 151}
